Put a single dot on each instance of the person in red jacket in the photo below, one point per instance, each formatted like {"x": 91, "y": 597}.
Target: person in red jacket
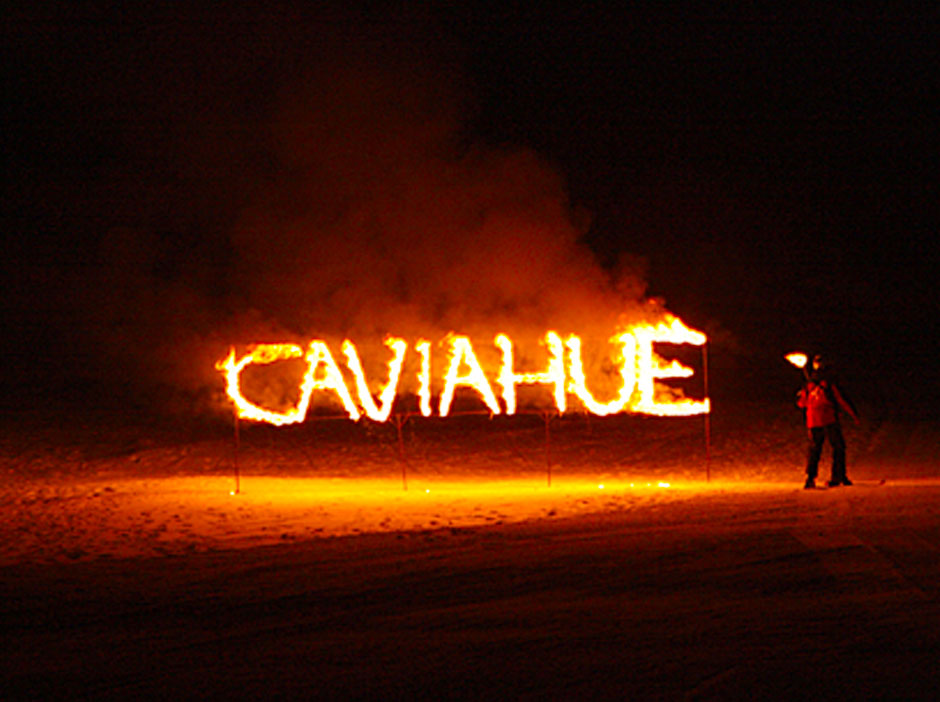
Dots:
{"x": 822, "y": 402}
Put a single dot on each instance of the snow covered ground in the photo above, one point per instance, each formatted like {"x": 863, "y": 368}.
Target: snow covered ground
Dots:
{"x": 348, "y": 564}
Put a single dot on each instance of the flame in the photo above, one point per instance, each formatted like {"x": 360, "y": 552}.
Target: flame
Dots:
{"x": 797, "y": 359}
{"x": 578, "y": 384}
{"x": 650, "y": 367}
{"x": 387, "y": 396}
{"x": 319, "y": 354}
{"x": 461, "y": 352}
{"x": 554, "y": 375}
{"x": 423, "y": 347}
{"x": 263, "y": 354}
{"x": 638, "y": 365}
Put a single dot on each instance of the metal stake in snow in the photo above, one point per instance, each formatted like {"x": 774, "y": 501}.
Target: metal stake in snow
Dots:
{"x": 401, "y": 453}
{"x": 235, "y": 461}
{"x": 707, "y": 415}
{"x": 547, "y": 416}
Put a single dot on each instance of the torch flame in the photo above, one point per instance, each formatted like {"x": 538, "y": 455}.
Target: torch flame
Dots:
{"x": 797, "y": 359}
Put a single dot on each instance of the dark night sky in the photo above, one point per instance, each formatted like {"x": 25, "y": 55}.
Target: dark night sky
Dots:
{"x": 772, "y": 173}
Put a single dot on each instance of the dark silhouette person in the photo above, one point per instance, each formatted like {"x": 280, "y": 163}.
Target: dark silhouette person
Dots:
{"x": 822, "y": 401}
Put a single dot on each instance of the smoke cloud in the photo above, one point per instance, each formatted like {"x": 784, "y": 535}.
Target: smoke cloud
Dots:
{"x": 362, "y": 204}
{"x": 387, "y": 218}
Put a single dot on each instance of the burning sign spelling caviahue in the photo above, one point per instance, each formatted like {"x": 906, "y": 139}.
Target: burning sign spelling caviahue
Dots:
{"x": 638, "y": 365}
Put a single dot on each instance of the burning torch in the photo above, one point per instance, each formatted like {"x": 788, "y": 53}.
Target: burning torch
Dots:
{"x": 799, "y": 360}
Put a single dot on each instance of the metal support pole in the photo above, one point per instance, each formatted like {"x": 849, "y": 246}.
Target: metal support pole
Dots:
{"x": 238, "y": 479}
{"x": 708, "y": 424}
{"x": 548, "y": 456}
{"x": 401, "y": 453}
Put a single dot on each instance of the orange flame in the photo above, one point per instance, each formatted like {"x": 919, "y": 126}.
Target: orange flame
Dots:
{"x": 387, "y": 396}
{"x": 649, "y": 367}
{"x": 638, "y": 365}
{"x": 424, "y": 377}
{"x": 319, "y": 354}
{"x": 578, "y": 384}
{"x": 461, "y": 352}
{"x": 554, "y": 375}
{"x": 263, "y": 354}
{"x": 797, "y": 359}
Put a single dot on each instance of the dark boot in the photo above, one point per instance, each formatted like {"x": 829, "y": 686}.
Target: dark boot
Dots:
{"x": 838, "y": 475}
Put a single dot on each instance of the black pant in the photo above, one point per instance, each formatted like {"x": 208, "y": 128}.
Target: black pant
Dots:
{"x": 817, "y": 436}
